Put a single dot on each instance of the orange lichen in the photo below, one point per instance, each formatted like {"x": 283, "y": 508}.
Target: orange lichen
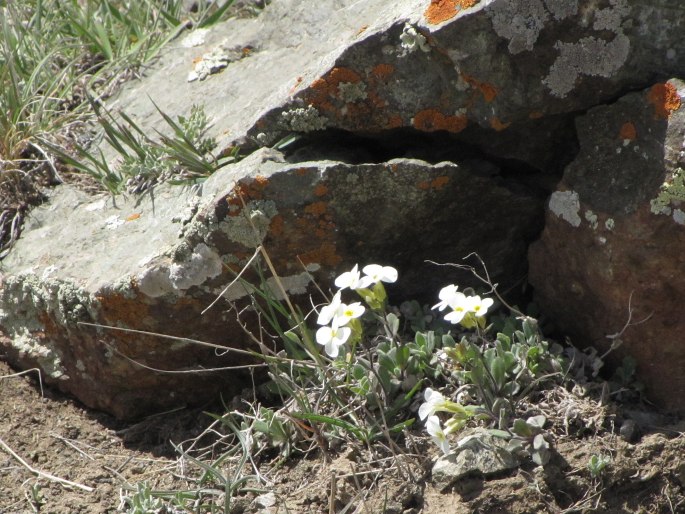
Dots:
{"x": 245, "y": 191}
{"x": 440, "y": 182}
{"x": 325, "y": 88}
{"x": 430, "y": 120}
{"x": 437, "y": 183}
{"x": 536, "y": 115}
{"x": 394, "y": 121}
{"x": 325, "y": 255}
{"x": 628, "y": 131}
{"x": 276, "y": 225}
{"x": 338, "y": 75}
{"x": 498, "y": 124}
{"x": 486, "y": 89}
{"x": 665, "y": 99}
{"x": 443, "y": 10}
{"x": 118, "y": 309}
{"x": 376, "y": 100}
{"x": 383, "y": 71}
{"x": 133, "y": 216}
{"x": 361, "y": 30}
{"x": 320, "y": 190}
{"x": 316, "y": 208}
{"x": 301, "y": 171}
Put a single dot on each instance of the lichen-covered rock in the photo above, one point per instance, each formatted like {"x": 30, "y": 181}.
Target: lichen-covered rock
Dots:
{"x": 610, "y": 261}
{"x": 501, "y": 74}
{"x": 153, "y": 266}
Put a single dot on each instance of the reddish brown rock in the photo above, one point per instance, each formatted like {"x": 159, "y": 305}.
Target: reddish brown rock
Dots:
{"x": 615, "y": 237}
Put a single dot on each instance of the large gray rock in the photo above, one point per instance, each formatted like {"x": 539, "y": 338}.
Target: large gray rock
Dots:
{"x": 155, "y": 265}
{"x": 492, "y": 86}
{"x": 498, "y": 74}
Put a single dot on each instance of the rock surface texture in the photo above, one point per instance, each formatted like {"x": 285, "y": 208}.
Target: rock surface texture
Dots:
{"x": 610, "y": 262}
{"x": 428, "y": 129}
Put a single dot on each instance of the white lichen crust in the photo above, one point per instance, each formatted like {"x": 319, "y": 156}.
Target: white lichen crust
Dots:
{"x": 566, "y": 205}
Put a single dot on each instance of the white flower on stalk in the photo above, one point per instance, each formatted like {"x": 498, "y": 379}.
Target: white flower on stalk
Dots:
{"x": 437, "y": 434}
{"x": 328, "y": 311}
{"x": 332, "y": 338}
{"x": 459, "y": 306}
{"x": 435, "y": 401}
{"x": 349, "y": 279}
{"x": 339, "y": 313}
{"x": 477, "y": 306}
{"x": 446, "y": 295}
{"x": 375, "y": 273}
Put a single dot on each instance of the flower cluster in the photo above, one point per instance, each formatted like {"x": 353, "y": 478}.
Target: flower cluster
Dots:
{"x": 340, "y": 321}
{"x": 436, "y": 402}
{"x": 468, "y": 310}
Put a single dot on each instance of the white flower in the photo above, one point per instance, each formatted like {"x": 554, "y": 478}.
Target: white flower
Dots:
{"x": 437, "y": 434}
{"x": 446, "y": 295}
{"x": 459, "y": 306}
{"x": 328, "y": 311}
{"x": 434, "y": 401}
{"x": 477, "y": 306}
{"x": 349, "y": 279}
{"x": 376, "y": 273}
{"x": 346, "y": 312}
{"x": 339, "y": 313}
{"x": 332, "y": 338}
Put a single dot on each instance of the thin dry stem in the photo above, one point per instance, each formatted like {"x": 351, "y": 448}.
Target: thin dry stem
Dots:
{"x": 43, "y": 474}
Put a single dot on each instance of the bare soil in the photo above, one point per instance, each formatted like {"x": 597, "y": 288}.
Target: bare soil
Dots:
{"x": 55, "y": 435}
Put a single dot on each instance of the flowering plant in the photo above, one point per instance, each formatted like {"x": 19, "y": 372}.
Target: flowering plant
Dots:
{"x": 341, "y": 321}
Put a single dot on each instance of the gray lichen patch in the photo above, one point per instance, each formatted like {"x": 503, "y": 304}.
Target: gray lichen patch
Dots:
{"x": 46, "y": 357}
{"x": 63, "y": 300}
{"x": 303, "y": 119}
{"x": 412, "y": 40}
{"x": 293, "y": 285}
{"x": 591, "y": 55}
{"x": 561, "y": 9}
{"x": 566, "y": 205}
{"x": 250, "y": 227}
{"x": 591, "y": 218}
{"x": 352, "y": 91}
{"x": 671, "y": 193}
{"x": 518, "y": 22}
{"x": 202, "y": 264}
{"x": 26, "y": 299}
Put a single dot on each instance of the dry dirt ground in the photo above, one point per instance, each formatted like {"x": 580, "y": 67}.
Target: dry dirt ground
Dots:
{"x": 55, "y": 435}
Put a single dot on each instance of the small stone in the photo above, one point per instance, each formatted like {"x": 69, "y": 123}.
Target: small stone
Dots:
{"x": 479, "y": 453}
{"x": 629, "y": 431}
{"x": 266, "y": 500}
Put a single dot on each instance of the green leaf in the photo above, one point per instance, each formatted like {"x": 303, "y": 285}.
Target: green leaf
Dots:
{"x": 497, "y": 369}
{"x": 402, "y": 356}
{"x": 529, "y": 328}
{"x": 393, "y": 324}
{"x": 521, "y": 428}
{"x": 359, "y": 433}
